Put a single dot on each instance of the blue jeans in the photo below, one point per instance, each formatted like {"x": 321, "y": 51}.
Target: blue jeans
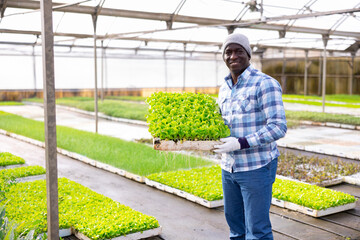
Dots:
{"x": 247, "y": 200}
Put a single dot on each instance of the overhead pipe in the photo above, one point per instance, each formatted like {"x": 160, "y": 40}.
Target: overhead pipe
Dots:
{"x": 208, "y": 22}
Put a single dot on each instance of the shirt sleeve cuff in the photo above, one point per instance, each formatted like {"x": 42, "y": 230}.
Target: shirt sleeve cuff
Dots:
{"x": 243, "y": 143}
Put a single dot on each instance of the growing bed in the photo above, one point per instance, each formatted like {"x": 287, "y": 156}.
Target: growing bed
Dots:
{"x": 205, "y": 185}
{"x": 81, "y": 211}
{"x": 9, "y": 160}
{"x": 129, "y": 158}
{"x": 20, "y": 174}
{"x": 200, "y": 185}
{"x": 310, "y": 199}
{"x": 318, "y": 171}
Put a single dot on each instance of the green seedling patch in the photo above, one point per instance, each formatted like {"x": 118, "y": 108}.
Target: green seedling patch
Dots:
{"x": 206, "y": 183}
{"x": 132, "y": 157}
{"x": 20, "y": 172}
{"x": 185, "y": 116}
{"x": 92, "y": 214}
{"x": 7, "y": 159}
{"x": 202, "y": 182}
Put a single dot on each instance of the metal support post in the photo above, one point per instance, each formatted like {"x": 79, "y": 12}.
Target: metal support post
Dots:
{"x": 283, "y": 77}
{"x": 216, "y": 70}
{"x": 261, "y": 56}
{"x": 325, "y": 40}
{"x": 50, "y": 119}
{"x": 166, "y": 72}
{"x": 306, "y": 72}
{"x": 184, "y": 68}
{"x": 351, "y": 79}
{"x": 34, "y": 66}
{"x": 102, "y": 70}
{"x": 105, "y": 73}
{"x": 94, "y": 17}
{"x": 319, "y": 78}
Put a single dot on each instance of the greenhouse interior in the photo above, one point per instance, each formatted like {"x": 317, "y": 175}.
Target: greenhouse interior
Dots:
{"x": 112, "y": 114}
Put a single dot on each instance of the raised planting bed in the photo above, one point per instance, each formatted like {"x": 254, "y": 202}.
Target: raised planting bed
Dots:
{"x": 20, "y": 174}
{"x": 184, "y": 121}
{"x": 88, "y": 214}
{"x": 8, "y": 159}
{"x": 134, "y": 158}
{"x": 310, "y": 199}
{"x": 203, "y": 186}
{"x": 200, "y": 185}
{"x": 352, "y": 179}
{"x": 111, "y": 108}
{"x": 314, "y": 170}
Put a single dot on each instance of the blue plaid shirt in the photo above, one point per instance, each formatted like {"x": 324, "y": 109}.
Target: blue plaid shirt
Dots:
{"x": 252, "y": 109}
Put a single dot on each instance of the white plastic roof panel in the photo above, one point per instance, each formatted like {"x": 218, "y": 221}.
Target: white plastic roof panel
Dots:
{"x": 226, "y": 10}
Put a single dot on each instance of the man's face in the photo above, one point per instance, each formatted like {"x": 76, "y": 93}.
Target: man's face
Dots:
{"x": 236, "y": 58}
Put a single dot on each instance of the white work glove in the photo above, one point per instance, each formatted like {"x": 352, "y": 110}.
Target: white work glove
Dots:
{"x": 230, "y": 144}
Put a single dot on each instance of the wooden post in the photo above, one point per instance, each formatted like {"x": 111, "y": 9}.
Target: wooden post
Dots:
{"x": 50, "y": 119}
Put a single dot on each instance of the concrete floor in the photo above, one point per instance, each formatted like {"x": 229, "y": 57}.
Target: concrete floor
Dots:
{"x": 179, "y": 218}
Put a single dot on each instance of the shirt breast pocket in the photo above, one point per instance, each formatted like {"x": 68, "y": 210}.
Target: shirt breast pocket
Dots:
{"x": 243, "y": 104}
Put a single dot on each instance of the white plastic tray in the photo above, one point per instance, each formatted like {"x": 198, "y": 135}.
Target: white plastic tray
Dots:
{"x": 188, "y": 196}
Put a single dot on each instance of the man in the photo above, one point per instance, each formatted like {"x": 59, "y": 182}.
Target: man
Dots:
{"x": 251, "y": 106}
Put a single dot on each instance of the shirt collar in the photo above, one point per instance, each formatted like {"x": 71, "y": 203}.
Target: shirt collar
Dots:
{"x": 243, "y": 77}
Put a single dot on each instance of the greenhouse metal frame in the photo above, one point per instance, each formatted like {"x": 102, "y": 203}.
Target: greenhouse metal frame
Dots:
{"x": 288, "y": 22}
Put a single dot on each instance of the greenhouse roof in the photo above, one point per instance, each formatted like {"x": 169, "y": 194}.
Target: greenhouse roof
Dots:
{"x": 193, "y": 25}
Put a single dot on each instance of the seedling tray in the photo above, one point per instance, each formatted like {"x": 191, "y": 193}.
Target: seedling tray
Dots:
{"x": 168, "y": 145}
{"x": 352, "y": 179}
{"x": 188, "y": 196}
{"x": 31, "y": 178}
{"x": 13, "y": 166}
{"x": 312, "y": 212}
{"x": 325, "y": 183}
{"x": 131, "y": 236}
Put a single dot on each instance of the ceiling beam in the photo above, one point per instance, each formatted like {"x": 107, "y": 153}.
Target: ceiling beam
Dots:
{"x": 112, "y": 48}
{"x": 82, "y": 36}
{"x": 29, "y": 4}
{"x": 103, "y": 37}
{"x": 258, "y": 24}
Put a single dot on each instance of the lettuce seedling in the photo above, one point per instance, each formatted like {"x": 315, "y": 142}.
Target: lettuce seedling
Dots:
{"x": 185, "y": 116}
{"x": 7, "y": 158}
